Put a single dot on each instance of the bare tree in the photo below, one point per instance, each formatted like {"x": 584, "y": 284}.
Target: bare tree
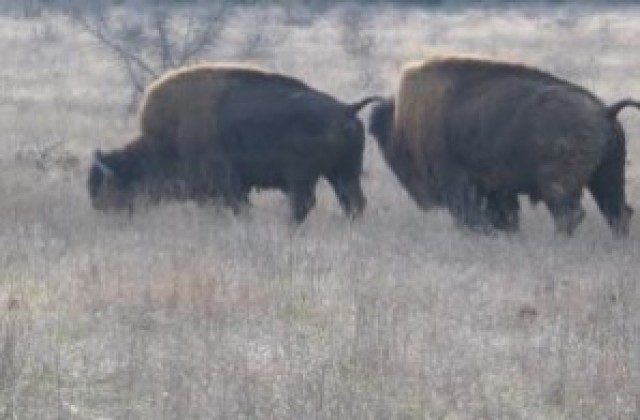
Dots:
{"x": 262, "y": 36}
{"x": 149, "y": 37}
{"x": 358, "y": 42}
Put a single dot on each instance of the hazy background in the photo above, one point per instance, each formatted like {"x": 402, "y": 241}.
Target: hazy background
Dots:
{"x": 187, "y": 312}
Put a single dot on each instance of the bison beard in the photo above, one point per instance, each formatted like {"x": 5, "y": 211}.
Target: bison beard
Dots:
{"x": 470, "y": 135}
{"x": 219, "y": 131}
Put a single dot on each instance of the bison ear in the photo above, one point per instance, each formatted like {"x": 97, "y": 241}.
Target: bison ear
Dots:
{"x": 99, "y": 162}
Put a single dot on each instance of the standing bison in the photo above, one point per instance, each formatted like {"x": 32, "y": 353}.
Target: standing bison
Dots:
{"x": 218, "y": 131}
{"x": 470, "y": 135}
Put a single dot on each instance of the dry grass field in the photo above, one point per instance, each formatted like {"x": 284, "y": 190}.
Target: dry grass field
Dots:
{"x": 186, "y": 312}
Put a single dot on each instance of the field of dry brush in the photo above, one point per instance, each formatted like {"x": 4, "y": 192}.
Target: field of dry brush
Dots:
{"x": 186, "y": 312}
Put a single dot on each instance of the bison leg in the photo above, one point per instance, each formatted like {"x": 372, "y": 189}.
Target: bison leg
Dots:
{"x": 464, "y": 201}
{"x": 226, "y": 181}
{"x": 607, "y": 187}
{"x": 302, "y": 198}
{"x": 350, "y": 195}
{"x": 567, "y": 213}
{"x": 503, "y": 211}
{"x": 234, "y": 194}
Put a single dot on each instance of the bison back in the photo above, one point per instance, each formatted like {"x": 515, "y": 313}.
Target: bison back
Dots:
{"x": 270, "y": 131}
{"x": 183, "y": 106}
{"x": 510, "y": 133}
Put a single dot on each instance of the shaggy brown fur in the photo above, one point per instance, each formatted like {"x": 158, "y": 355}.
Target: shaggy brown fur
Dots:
{"x": 180, "y": 105}
{"x": 426, "y": 89}
{"x": 219, "y": 130}
{"x": 470, "y": 134}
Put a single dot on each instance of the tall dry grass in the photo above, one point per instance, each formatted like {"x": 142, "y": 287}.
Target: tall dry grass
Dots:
{"x": 187, "y": 312}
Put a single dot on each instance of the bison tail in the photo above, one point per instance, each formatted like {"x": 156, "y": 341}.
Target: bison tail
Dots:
{"x": 353, "y": 109}
{"x": 615, "y": 108}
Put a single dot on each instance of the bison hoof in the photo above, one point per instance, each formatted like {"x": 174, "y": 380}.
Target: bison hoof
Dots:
{"x": 567, "y": 223}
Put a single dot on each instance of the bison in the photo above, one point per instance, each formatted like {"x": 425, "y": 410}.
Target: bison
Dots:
{"x": 470, "y": 135}
{"x": 220, "y": 130}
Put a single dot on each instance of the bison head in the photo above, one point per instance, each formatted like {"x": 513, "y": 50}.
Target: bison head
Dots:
{"x": 418, "y": 177}
{"x": 109, "y": 187}
{"x": 350, "y": 196}
{"x": 381, "y": 122}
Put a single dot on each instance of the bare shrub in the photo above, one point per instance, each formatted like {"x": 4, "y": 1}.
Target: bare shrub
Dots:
{"x": 358, "y": 42}
{"x": 262, "y": 36}
{"x": 48, "y": 157}
{"x": 159, "y": 38}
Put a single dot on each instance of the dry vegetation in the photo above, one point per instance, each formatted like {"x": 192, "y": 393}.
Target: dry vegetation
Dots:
{"x": 186, "y": 312}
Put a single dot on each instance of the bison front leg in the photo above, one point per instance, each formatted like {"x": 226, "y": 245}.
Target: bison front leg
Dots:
{"x": 234, "y": 193}
{"x": 227, "y": 182}
{"x": 607, "y": 187}
{"x": 464, "y": 201}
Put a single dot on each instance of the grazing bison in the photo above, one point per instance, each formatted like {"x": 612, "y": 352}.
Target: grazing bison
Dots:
{"x": 470, "y": 135}
{"x": 218, "y": 131}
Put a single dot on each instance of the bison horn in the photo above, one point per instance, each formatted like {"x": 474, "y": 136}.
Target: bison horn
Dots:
{"x": 100, "y": 164}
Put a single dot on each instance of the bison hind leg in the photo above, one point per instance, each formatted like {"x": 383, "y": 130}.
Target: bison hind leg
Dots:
{"x": 607, "y": 188}
{"x": 567, "y": 213}
{"x": 302, "y": 198}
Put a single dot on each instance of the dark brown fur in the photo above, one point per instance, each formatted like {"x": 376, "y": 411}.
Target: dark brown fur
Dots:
{"x": 472, "y": 134}
{"x": 218, "y": 130}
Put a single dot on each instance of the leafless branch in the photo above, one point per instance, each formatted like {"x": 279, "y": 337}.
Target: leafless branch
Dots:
{"x": 161, "y": 22}
{"x": 198, "y": 37}
{"x": 100, "y": 31}
{"x": 155, "y": 38}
